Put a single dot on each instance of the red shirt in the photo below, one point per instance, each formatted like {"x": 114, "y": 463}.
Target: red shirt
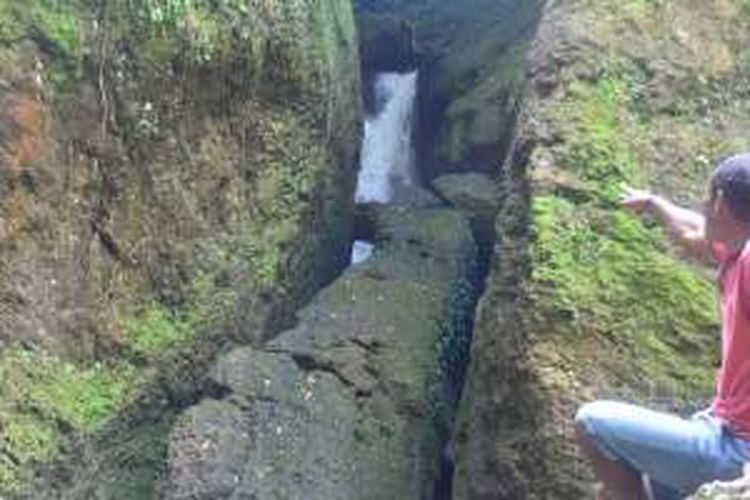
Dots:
{"x": 732, "y": 403}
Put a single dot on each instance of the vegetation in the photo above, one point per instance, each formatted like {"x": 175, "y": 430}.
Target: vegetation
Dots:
{"x": 604, "y": 278}
{"x": 155, "y": 329}
{"x": 57, "y": 21}
{"x": 44, "y": 399}
{"x": 601, "y": 150}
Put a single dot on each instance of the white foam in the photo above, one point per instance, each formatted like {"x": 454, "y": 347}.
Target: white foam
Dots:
{"x": 361, "y": 251}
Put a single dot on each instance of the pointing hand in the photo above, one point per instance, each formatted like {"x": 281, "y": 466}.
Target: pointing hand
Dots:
{"x": 637, "y": 200}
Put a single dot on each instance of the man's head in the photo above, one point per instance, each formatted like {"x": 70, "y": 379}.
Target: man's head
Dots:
{"x": 728, "y": 208}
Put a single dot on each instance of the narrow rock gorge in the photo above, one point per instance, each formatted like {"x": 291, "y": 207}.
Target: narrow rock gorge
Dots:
{"x": 324, "y": 249}
{"x": 358, "y": 400}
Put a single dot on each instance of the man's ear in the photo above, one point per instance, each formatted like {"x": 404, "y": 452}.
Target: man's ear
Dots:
{"x": 719, "y": 205}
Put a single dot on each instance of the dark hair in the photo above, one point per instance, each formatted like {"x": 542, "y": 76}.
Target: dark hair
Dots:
{"x": 732, "y": 179}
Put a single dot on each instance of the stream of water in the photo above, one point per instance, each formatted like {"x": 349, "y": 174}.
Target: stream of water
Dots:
{"x": 388, "y": 148}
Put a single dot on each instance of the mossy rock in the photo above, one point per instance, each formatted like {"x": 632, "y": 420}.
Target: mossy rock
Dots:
{"x": 356, "y": 400}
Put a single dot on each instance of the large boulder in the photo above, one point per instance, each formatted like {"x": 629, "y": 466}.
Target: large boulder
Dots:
{"x": 479, "y": 196}
{"x": 283, "y": 432}
{"x": 357, "y": 401}
{"x": 476, "y": 193}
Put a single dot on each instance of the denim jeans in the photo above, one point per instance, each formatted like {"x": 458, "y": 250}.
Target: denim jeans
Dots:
{"x": 678, "y": 455}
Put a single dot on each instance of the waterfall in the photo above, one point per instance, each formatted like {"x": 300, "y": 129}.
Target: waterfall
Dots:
{"x": 387, "y": 149}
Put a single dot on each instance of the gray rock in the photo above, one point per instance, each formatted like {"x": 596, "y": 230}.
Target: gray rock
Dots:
{"x": 478, "y": 194}
{"x": 412, "y": 196}
{"x": 208, "y": 450}
{"x": 283, "y": 432}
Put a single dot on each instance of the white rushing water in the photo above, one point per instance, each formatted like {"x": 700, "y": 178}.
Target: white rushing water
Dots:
{"x": 387, "y": 150}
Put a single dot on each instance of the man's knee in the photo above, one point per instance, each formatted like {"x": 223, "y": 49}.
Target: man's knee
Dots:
{"x": 590, "y": 416}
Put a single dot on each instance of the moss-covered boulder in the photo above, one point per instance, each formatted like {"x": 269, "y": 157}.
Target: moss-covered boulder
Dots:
{"x": 585, "y": 300}
{"x": 477, "y": 194}
{"x": 173, "y": 175}
{"x": 357, "y": 401}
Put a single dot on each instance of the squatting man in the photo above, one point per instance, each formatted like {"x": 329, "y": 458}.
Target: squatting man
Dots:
{"x": 637, "y": 453}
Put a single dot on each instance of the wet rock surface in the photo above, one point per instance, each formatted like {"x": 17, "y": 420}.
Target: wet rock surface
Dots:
{"x": 476, "y": 193}
{"x": 355, "y": 402}
{"x": 479, "y": 196}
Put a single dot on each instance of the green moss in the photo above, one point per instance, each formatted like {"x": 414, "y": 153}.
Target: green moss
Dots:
{"x": 155, "y": 330}
{"x": 29, "y": 439}
{"x": 601, "y": 148}
{"x": 10, "y": 476}
{"x": 83, "y": 396}
{"x": 57, "y": 21}
{"x": 10, "y": 29}
{"x": 46, "y": 401}
{"x": 291, "y": 161}
{"x": 206, "y": 30}
{"x": 60, "y": 22}
{"x": 58, "y": 27}
{"x": 606, "y": 274}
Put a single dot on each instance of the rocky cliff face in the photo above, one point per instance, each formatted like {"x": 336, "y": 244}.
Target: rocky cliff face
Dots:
{"x": 584, "y": 300}
{"x": 172, "y": 174}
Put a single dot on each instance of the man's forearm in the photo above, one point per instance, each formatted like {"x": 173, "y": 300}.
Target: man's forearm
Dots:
{"x": 676, "y": 219}
{"x": 686, "y": 227}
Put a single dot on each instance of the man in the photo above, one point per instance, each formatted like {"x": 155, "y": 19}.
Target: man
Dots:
{"x": 638, "y": 453}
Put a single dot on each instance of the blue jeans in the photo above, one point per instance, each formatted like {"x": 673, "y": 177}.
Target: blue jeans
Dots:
{"x": 678, "y": 455}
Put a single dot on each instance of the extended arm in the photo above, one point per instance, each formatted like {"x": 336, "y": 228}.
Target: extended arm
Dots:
{"x": 685, "y": 227}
